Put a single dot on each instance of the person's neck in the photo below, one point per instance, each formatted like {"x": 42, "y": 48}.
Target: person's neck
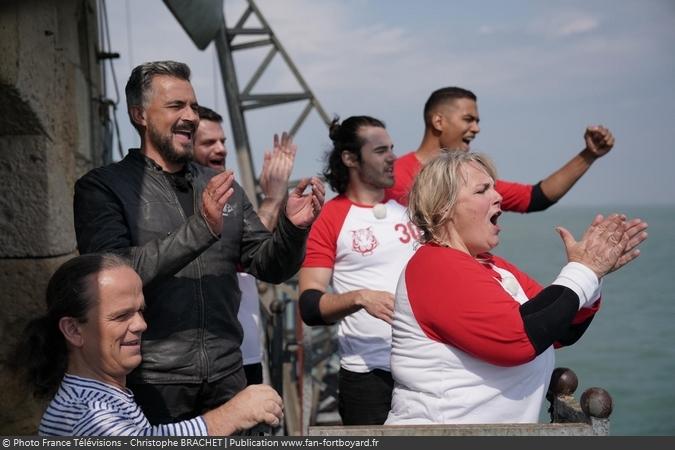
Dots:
{"x": 154, "y": 154}
{"x": 364, "y": 195}
{"x": 429, "y": 148}
{"x": 78, "y": 367}
{"x": 451, "y": 239}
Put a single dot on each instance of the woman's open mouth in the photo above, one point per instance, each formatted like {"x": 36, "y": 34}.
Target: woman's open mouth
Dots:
{"x": 494, "y": 218}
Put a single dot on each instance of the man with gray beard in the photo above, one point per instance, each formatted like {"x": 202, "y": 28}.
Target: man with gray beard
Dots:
{"x": 185, "y": 229}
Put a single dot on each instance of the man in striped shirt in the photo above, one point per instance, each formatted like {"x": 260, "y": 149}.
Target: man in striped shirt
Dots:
{"x": 87, "y": 343}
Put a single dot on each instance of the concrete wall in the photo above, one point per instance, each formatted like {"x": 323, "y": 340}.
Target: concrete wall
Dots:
{"x": 50, "y": 130}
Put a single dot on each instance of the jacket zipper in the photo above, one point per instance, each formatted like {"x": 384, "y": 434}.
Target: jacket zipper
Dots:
{"x": 202, "y": 303}
{"x": 203, "y": 375}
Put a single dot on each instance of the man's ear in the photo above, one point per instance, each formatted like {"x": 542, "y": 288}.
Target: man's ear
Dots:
{"x": 437, "y": 120}
{"x": 70, "y": 328}
{"x": 349, "y": 159}
{"x": 138, "y": 115}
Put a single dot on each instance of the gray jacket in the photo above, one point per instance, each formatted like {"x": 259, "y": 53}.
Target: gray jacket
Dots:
{"x": 189, "y": 275}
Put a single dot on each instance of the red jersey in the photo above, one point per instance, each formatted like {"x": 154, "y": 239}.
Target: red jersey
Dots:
{"x": 516, "y": 197}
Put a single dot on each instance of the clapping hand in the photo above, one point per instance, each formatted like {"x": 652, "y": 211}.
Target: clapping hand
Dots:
{"x": 607, "y": 245}
{"x": 277, "y": 167}
{"x": 217, "y": 192}
{"x": 302, "y": 209}
{"x": 635, "y": 230}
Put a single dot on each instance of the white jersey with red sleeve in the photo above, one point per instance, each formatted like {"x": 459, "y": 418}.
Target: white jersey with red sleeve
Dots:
{"x": 460, "y": 352}
{"x": 367, "y": 248}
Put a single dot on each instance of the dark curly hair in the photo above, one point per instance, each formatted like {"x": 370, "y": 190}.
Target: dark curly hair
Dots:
{"x": 345, "y": 137}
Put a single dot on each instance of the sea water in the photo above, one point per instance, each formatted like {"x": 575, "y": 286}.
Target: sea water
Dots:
{"x": 629, "y": 349}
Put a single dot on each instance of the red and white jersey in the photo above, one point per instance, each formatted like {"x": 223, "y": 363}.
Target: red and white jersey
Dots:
{"x": 515, "y": 196}
{"x": 364, "y": 252}
{"x": 460, "y": 353}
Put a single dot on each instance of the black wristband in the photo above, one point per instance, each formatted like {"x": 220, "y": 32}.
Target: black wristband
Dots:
{"x": 309, "y": 307}
{"x": 538, "y": 200}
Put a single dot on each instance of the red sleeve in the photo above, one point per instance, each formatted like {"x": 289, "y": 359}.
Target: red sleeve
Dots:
{"x": 516, "y": 197}
{"x": 406, "y": 169}
{"x": 322, "y": 240}
{"x": 459, "y": 302}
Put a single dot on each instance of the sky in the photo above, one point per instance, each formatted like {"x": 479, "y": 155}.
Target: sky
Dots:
{"x": 542, "y": 71}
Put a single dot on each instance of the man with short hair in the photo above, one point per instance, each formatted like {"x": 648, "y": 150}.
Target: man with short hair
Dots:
{"x": 210, "y": 151}
{"x": 185, "y": 229}
{"x": 451, "y": 122}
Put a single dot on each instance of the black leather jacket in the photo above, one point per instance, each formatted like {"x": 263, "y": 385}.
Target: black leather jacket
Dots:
{"x": 189, "y": 275}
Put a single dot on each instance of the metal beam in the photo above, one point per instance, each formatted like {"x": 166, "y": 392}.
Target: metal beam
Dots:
{"x": 326, "y": 118}
{"x": 252, "y": 44}
{"x": 239, "y": 131}
{"x": 239, "y": 101}
{"x": 259, "y": 71}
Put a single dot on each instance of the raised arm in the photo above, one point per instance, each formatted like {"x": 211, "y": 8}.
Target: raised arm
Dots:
{"x": 317, "y": 307}
{"x": 276, "y": 170}
{"x": 599, "y": 141}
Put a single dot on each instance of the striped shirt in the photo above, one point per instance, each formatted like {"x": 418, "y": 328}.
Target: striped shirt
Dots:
{"x": 86, "y": 407}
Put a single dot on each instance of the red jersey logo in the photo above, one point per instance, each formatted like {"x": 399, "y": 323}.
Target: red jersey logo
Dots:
{"x": 364, "y": 241}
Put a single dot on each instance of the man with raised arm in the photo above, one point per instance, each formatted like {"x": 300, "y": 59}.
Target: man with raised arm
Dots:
{"x": 451, "y": 122}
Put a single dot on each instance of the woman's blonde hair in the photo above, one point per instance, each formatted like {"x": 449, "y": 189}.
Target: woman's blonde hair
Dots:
{"x": 434, "y": 193}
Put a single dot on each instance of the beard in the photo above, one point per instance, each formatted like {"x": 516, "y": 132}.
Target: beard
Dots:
{"x": 165, "y": 147}
{"x": 376, "y": 178}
